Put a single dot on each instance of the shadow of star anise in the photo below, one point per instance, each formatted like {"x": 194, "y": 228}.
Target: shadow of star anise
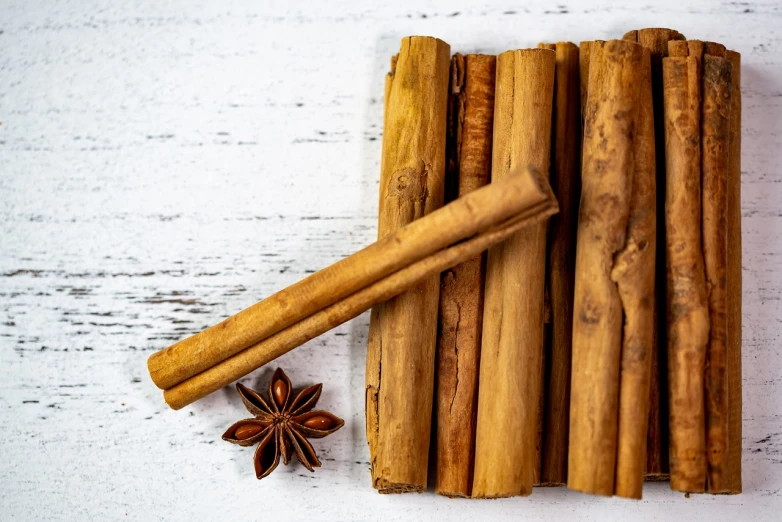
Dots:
{"x": 282, "y": 425}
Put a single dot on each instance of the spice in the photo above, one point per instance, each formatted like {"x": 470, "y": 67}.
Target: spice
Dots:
{"x": 471, "y": 118}
{"x": 566, "y": 183}
{"x": 282, "y": 425}
{"x": 656, "y": 40}
{"x": 510, "y": 385}
{"x": 498, "y": 210}
{"x": 733, "y": 458}
{"x": 613, "y": 282}
{"x": 403, "y": 330}
{"x": 688, "y": 314}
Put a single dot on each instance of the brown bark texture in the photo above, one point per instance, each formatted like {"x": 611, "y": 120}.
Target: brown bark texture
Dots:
{"x": 403, "y": 330}
{"x": 715, "y": 129}
{"x": 512, "y": 338}
{"x": 565, "y": 181}
{"x": 656, "y": 40}
{"x": 688, "y": 316}
{"x": 610, "y": 121}
{"x": 733, "y": 463}
{"x": 634, "y": 273}
{"x": 461, "y": 287}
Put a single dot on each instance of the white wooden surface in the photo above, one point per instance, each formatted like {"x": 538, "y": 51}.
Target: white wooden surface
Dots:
{"x": 166, "y": 164}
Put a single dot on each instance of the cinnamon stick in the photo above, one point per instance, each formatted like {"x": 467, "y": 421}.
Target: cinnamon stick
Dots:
{"x": 715, "y": 121}
{"x": 656, "y": 40}
{"x": 584, "y": 53}
{"x": 733, "y": 462}
{"x": 634, "y": 273}
{"x": 688, "y": 315}
{"x": 512, "y": 343}
{"x": 403, "y": 330}
{"x": 461, "y": 288}
{"x": 531, "y": 201}
{"x": 615, "y": 71}
{"x": 565, "y": 181}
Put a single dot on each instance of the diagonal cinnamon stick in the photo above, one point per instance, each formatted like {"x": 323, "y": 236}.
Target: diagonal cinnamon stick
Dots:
{"x": 534, "y": 202}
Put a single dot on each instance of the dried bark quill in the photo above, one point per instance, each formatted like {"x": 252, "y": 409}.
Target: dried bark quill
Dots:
{"x": 688, "y": 317}
{"x": 403, "y": 330}
{"x": 657, "y": 469}
{"x": 512, "y": 339}
{"x": 614, "y": 285}
{"x": 702, "y": 428}
{"x": 733, "y": 462}
{"x": 565, "y": 181}
{"x": 492, "y": 213}
{"x": 714, "y": 176}
{"x": 461, "y": 287}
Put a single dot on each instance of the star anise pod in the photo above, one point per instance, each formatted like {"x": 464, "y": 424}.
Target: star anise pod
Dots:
{"x": 282, "y": 425}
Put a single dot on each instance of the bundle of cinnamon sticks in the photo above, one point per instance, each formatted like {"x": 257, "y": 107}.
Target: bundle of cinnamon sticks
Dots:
{"x": 559, "y": 357}
{"x": 595, "y": 349}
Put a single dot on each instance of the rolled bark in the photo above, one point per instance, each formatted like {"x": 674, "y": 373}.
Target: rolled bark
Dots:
{"x": 688, "y": 315}
{"x": 607, "y": 183}
{"x": 498, "y": 210}
{"x": 715, "y": 120}
{"x": 461, "y": 288}
{"x": 656, "y": 40}
{"x": 512, "y": 343}
{"x": 403, "y": 330}
{"x": 733, "y": 463}
{"x": 565, "y": 181}
{"x": 528, "y": 192}
{"x": 714, "y": 78}
{"x": 634, "y": 272}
